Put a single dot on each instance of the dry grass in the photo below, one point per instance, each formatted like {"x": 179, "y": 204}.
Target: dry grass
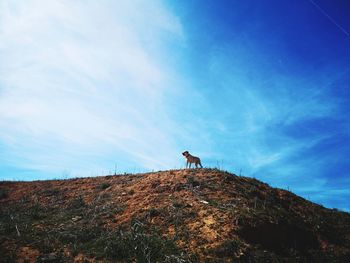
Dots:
{"x": 198, "y": 215}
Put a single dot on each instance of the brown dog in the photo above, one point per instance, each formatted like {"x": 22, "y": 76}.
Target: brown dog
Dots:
{"x": 192, "y": 159}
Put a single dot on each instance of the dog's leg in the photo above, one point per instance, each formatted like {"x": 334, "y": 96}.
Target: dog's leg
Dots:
{"x": 190, "y": 165}
{"x": 186, "y": 164}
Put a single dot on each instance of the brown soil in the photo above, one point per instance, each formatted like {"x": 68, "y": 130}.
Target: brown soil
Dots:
{"x": 209, "y": 215}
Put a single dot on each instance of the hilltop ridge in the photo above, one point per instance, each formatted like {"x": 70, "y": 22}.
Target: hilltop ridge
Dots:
{"x": 192, "y": 215}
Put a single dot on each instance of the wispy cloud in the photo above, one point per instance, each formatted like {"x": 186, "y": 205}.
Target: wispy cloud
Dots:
{"x": 80, "y": 80}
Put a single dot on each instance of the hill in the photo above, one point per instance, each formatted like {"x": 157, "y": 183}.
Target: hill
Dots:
{"x": 195, "y": 215}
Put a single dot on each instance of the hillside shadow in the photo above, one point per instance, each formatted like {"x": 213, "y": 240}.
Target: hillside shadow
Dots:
{"x": 280, "y": 238}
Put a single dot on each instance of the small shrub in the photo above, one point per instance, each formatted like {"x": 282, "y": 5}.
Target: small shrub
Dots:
{"x": 119, "y": 209}
{"x": 57, "y": 257}
{"x": 118, "y": 248}
{"x": 7, "y": 255}
{"x": 3, "y": 193}
{"x": 104, "y": 186}
{"x": 77, "y": 203}
{"x": 35, "y": 211}
{"x": 228, "y": 178}
{"x": 155, "y": 184}
{"x": 153, "y": 212}
{"x": 179, "y": 187}
{"x": 192, "y": 182}
{"x": 177, "y": 204}
{"x": 141, "y": 246}
{"x": 174, "y": 259}
{"x": 50, "y": 191}
{"x": 229, "y": 248}
{"x": 85, "y": 235}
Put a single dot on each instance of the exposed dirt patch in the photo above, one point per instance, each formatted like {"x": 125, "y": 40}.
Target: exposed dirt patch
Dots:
{"x": 27, "y": 254}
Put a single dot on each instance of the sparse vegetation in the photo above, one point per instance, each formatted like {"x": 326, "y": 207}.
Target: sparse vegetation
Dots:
{"x": 191, "y": 216}
{"x": 141, "y": 245}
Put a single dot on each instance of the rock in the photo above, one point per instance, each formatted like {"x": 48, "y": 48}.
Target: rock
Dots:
{"x": 49, "y": 257}
{"x": 76, "y": 218}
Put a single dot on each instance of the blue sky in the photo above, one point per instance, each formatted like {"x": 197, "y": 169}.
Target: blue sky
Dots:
{"x": 259, "y": 87}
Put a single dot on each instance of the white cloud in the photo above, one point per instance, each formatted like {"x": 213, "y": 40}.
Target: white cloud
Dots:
{"x": 83, "y": 78}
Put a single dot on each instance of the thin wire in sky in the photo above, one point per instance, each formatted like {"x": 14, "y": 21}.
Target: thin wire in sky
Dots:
{"x": 330, "y": 18}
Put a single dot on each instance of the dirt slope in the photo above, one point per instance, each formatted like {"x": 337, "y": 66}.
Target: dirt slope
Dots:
{"x": 198, "y": 215}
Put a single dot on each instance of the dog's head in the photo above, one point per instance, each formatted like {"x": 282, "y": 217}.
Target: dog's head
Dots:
{"x": 185, "y": 153}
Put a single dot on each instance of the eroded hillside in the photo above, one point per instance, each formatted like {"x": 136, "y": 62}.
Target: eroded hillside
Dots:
{"x": 197, "y": 215}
